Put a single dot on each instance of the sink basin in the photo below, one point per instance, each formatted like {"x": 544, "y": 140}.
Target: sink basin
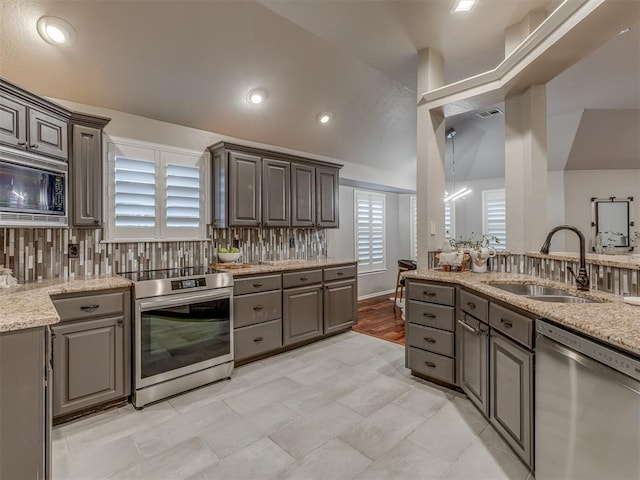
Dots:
{"x": 541, "y": 293}
{"x": 561, "y": 298}
{"x": 528, "y": 289}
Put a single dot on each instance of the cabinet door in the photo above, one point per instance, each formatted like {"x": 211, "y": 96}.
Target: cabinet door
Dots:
{"x": 301, "y": 314}
{"x": 340, "y": 305}
{"x": 276, "y": 188}
{"x": 473, "y": 364}
{"x": 511, "y": 387}
{"x": 13, "y": 122}
{"x": 88, "y": 363}
{"x": 244, "y": 190}
{"x": 86, "y": 174}
{"x": 48, "y": 135}
{"x": 22, "y": 404}
{"x": 219, "y": 194}
{"x": 327, "y": 210}
{"x": 303, "y": 195}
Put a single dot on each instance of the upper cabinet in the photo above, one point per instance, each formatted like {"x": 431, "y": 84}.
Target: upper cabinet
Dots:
{"x": 32, "y": 124}
{"x": 85, "y": 167}
{"x": 254, "y": 187}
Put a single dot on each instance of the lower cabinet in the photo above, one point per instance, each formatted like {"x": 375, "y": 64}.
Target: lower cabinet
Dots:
{"x": 340, "y": 305}
{"x": 473, "y": 338}
{"x": 91, "y": 350}
{"x": 511, "y": 406}
{"x": 301, "y": 314}
{"x": 23, "y": 394}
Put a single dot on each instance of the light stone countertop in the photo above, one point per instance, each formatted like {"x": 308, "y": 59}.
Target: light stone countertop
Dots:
{"x": 611, "y": 321}
{"x": 631, "y": 260}
{"x": 287, "y": 265}
{"x": 30, "y": 305}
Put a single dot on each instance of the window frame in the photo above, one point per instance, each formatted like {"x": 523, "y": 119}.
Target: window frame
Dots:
{"x": 161, "y": 155}
{"x": 371, "y": 269}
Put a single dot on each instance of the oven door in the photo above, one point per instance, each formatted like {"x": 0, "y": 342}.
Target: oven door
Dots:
{"x": 176, "y": 335}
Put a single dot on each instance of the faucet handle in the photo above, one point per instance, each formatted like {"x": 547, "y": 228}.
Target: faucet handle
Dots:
{"x": 582, "y": 279}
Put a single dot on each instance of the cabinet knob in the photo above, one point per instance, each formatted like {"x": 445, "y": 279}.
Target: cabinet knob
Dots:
{"x": 88, "y": 308}
{"x": 120, "y": 321}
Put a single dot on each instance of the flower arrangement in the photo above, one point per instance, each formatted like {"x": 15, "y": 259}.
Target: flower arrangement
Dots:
{"x": 476, "y": 249}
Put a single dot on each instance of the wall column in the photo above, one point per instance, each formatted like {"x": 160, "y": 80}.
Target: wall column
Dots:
{"x": 526, "y": 169}
{"x": 430, "y": 158}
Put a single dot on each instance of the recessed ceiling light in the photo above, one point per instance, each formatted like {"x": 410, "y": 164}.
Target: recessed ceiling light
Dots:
{"x": 464, "y": 5}
{"x": 257, "y": 96}
{"x": 324, "y": 118}
{"x": 56, "y": 31}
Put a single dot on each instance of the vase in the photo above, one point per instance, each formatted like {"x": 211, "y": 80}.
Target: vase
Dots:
{"x": 479, "y": 265}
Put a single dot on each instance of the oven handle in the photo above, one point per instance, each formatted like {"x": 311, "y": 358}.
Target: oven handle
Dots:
{"x": 183, "y": 299}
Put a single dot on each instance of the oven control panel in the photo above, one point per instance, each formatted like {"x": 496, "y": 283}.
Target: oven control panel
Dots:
{"x": 188, "y": 283}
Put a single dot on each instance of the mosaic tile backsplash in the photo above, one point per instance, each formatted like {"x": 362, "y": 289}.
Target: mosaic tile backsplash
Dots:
{"x": 39, "y": 253}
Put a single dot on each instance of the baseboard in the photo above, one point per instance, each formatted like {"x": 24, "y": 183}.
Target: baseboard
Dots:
{"x": 377, "y": 294}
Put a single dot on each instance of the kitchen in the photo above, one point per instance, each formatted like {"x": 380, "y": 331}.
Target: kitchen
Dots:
{"x": 94, "y": 250}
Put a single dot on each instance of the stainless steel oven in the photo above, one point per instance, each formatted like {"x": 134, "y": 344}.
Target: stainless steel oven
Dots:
{"x": 183, "y": 331}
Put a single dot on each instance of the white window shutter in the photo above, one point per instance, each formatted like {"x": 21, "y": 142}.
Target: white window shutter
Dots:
{"x": 494, "y": 213}
{"x": 370, "y": 231}
{"x": 449, "y": 220}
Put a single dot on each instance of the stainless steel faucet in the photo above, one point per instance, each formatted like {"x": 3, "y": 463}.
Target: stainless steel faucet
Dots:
{"x": 582, "y": 279}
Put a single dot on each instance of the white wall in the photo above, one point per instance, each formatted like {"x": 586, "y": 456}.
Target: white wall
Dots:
{"x": 581, "y": 185}
{"x": 341, "y": 241}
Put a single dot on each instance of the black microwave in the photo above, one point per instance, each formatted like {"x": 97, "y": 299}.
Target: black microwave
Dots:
{"x": 33, "y": 192}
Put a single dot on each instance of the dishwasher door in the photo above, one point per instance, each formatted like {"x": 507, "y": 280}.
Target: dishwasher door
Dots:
{"x": 587, "y": 416}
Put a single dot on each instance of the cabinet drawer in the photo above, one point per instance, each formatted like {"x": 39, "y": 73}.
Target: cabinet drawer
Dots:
{"x": 256, "y": 308}
{"x": 432, "y": 339}
{"x": 427, "y": 292}
{"x": 474, "y": 305}
{"x": 89, "y": 306}
{"x": 302, "y": 278}
{"x": 339, "y": 273}
{"x": 431, "y": 315}
{"x": 512, "y": 324}
{"x": 257, "y": 339}
{"x": 432, "y": 364}
{"x": 256, "y": 284}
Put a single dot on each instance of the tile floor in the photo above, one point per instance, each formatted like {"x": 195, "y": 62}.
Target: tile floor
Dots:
{"x": 343, "y": 408}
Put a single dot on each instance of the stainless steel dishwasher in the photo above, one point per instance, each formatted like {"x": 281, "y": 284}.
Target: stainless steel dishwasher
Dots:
{"x": 587, "y": 409}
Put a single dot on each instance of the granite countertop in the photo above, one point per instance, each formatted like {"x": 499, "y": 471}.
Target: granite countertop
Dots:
{"x": 287, "y": 265}
{"x": 30, "y": 305}
{"x": 610, "y": 320}
{"x": 621, "y": 261}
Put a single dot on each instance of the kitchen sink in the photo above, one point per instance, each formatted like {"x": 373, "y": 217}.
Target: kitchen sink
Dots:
{"x": 541, "y": 293}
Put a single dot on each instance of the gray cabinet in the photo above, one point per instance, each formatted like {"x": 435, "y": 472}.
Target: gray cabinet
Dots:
{"x": 91, "y": 351}
{"x": 23, "y": 405}
{"x": 276, "y": 191}
{"x": 301, "y": 314}
{"x": 340, "y": 305}
{"x": 30, "y": 123}
{"x": 511, "y": 404}
{"x": 245, "y": 185}
{"x": 257, "y": 316}
{"x": 430, "y": 331}
{"x": 473, "y": 361}
{"x": 85, "y": 166}
{"x": 303, "y": 195}
{"x": 327, "y": 190}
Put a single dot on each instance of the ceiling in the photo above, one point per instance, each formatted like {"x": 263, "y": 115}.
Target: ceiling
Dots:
{"x": 192, "y": 64}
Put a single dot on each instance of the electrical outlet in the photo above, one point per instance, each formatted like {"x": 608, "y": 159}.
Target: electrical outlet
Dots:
{"x": 74, "y": 250}
{"x": 292, "y": 242}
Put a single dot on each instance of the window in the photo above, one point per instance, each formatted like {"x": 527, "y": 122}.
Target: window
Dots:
{"x": 370, "y": 231}
{"x": 413, "y": 227}
{"x": 449, "y": 220}
{"x": 494, "y": 217}
{"x": 154, "y": 193}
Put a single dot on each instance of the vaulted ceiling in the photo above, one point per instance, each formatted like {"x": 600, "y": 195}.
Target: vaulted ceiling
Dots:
{"x": 192, "y": 63}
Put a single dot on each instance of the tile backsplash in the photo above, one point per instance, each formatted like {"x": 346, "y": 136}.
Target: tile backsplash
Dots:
{"x": 40, "y": 253}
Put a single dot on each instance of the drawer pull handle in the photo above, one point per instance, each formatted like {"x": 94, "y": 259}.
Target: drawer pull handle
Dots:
{"x": 120, "y": 321}
{"x": 304, "y": 279}
{"x": 258, "y": 339}
{"x": 469, "y": 327}
{"x": 257, "y": 308}
{"x": 471, "y": 305}
{"x": 258, "y": 284}
{"x": 429, "y": 315}
{"x": 340, "y": 274}
{"x": 89, "y": 307}
{"x": 430, "y": 364}
{"x": 506, "y": 323}
{"x": 429, "y": 340}
{"x": 429, "y": 294}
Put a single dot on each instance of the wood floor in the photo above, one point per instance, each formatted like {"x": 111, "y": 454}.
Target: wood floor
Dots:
{"x": 376, "y": 317}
